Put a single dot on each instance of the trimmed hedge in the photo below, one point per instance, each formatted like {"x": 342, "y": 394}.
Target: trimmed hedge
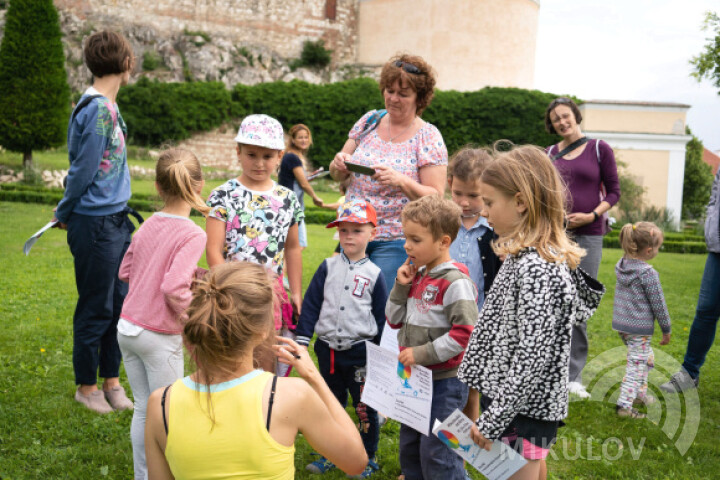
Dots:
{"x": 330, "y": 111}
{"x": 51, "y": 196}
{"x": 669, "y": 246}
{"x": 158, "y": 113}
{"x": 165, "y": 112}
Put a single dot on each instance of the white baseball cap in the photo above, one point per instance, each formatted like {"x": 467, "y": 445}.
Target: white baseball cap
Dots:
{"x": 261, "y": 130}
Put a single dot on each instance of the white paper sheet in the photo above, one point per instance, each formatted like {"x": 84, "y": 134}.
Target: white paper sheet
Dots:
{"x": 498, "y": 464}
{"x": 31, "y": 241}
{"x": 389, "y": 341}
{"x": 401, "y": 393}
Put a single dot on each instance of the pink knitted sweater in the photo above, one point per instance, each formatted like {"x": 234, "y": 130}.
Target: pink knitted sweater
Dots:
{"x": 159, "y": 266}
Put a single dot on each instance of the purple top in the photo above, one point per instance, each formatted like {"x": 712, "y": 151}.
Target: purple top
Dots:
{"x": 583, "y": 176}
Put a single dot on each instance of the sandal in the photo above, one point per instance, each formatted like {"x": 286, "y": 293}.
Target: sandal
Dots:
{"x": 628, "y": 412}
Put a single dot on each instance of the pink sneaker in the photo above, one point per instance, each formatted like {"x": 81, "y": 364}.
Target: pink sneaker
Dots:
{"x": 117, "y": 399}
{"x": 95, "y": 401}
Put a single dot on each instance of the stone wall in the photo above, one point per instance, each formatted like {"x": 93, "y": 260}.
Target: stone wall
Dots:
{"x": 232, "y": 41}
{"x": 280, "y": 25}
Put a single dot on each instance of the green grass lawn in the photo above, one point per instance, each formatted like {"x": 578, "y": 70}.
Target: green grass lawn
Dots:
{"x": 45, "y": 434}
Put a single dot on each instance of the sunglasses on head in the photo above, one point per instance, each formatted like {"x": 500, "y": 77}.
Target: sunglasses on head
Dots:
{"x": 408, "y": 67}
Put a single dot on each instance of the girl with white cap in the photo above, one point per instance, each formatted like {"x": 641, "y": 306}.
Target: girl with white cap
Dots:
{"x": 254, "y": 219}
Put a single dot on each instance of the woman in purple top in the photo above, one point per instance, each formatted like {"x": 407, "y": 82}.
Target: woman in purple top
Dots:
{"x": 586, "y": 168}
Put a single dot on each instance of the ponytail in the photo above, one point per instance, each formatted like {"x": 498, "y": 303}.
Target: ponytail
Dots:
{"x": 231, "y": 312}
{"x": 635, "y": 237}
{"x": 178, "y": 174}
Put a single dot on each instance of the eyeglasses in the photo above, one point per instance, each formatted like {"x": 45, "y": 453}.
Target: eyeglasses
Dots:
{"x": 408, "y": 67}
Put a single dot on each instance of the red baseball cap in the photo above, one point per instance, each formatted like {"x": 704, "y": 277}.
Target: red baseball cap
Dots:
{"x": 355, "y": 211}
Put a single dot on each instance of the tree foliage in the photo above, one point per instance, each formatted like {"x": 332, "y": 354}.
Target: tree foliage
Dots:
{"x": 697, "y": 182}
{"x": 707, "y": 64}
{"x": 35, "y": 97}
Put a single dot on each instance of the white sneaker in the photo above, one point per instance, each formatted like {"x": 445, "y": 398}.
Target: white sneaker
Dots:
{"x": 576, "y": 388}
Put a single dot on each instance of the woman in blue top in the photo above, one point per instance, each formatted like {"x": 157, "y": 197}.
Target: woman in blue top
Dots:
{"x": 292, "y": 171}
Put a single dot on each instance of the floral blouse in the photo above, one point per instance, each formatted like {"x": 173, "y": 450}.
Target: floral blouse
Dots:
{"x": 425, "y": 148}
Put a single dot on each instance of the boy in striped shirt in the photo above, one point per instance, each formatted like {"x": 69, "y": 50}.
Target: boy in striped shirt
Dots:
{"x": 434, "y": 304}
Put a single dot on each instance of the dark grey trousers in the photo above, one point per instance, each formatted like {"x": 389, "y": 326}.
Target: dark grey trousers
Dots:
{"x": 579, "y": 341}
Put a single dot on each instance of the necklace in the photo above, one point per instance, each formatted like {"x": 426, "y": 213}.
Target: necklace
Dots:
{"x": 401, "y": 133}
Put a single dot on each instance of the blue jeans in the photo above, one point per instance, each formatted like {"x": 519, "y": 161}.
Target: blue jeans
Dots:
{"x": 426, "y": 457}
{"x": 344, "y": 371}
{"x": 704, "y": 326}
{"x": 98, "y": 245}
{"x": 388, "y": 255}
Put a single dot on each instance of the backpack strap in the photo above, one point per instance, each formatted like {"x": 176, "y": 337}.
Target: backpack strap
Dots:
{"x": 371, "y": 124}
{"x": 83, "y": 103}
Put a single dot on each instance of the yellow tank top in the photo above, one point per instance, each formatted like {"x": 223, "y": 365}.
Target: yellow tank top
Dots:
{"x": 238, "y": 446}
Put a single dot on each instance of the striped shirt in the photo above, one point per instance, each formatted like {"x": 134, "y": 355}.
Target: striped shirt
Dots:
{"x": 435, "y": 315}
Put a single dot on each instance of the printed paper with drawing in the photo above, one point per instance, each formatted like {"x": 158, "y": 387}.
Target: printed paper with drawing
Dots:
{"x": 402, "y": 393}
{"x": 498, "y": 464}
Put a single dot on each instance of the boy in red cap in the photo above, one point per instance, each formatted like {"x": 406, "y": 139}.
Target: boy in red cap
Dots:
{"x": 345, "y": 306}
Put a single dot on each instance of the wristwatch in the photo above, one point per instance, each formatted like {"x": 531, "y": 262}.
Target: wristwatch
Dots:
{"x": 595, "y": 214}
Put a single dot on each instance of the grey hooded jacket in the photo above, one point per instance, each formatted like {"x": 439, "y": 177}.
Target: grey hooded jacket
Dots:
{"x": 712, "y": 218}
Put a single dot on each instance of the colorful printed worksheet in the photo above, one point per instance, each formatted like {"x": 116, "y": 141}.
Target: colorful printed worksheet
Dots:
{"x": 402, "y": 393}
{"x": 498, "y": 464}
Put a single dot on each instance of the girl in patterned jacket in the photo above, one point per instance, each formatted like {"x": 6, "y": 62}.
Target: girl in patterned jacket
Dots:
{"x": 518, "y": 354}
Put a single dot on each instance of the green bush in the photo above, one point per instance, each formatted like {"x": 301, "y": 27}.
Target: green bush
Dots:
{"x": 670, "y": 246}
{"x": 314, "y": 55}
{"x": 161, "y": 112}
{"x": 151, "y": 61}
{"x": 331, "y": 110}
{"x": 318, "y": 215}
{"x": 167, "y": 112}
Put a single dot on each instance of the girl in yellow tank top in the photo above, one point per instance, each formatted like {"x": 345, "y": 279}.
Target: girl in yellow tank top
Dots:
{"x": 229, "y": 420}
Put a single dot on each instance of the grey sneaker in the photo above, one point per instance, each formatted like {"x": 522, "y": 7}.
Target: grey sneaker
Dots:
{"x": 680, "y": 382}
{"x": 117, "y": 399}
{"x": 95, "y": 401}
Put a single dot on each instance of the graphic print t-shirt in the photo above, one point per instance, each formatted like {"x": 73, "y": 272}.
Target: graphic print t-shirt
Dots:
{"x": 256, "y": 223}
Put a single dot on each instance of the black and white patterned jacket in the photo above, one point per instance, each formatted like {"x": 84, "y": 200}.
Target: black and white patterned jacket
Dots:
{"x": 519, "y": 351}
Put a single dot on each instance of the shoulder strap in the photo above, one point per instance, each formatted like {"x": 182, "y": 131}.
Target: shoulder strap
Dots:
{"x": 83, "y": 103}
{"x": 270, "y": 401}
{"x": 570, "y": 148}
{"x": 597, "y": 149}
{"x": 371, "y": 124}
{"x": 162, "y": 405}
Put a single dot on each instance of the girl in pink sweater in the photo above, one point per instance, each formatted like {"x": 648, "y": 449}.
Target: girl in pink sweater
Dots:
{"x": 160, "y": 266}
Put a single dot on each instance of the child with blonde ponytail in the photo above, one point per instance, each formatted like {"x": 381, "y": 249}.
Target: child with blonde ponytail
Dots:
{"x": 160, "y": 266}
{"x": 639, "y": 300}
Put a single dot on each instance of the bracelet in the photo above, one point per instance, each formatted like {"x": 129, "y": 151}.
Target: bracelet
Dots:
{"x": 596, "y": 215}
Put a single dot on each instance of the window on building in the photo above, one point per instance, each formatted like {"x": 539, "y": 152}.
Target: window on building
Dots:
{"x": 330, "y": 9}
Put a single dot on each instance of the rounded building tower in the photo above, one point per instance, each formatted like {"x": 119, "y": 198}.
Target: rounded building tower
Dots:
{"x": 471, "y": 43}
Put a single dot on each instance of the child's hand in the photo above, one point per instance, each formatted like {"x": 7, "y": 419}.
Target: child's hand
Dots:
{"x": 407, "y": 357}
{"x": 406, "y": 273}
{"x": 665, "y": 339}
{"x": 296, "y": 301}
{"x": 478, "y": 438}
